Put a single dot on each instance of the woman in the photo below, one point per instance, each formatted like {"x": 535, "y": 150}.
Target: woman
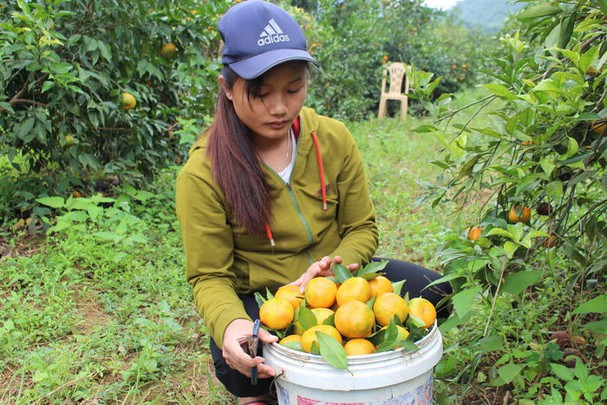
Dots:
{"x": 272, "y": 193}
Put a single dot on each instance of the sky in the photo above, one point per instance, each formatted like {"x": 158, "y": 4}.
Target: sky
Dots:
{"x": 442, "y": 4}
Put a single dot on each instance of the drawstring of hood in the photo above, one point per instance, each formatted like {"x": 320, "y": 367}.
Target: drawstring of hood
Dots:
{"x": 321, "y": 174}
{"x": 269, "y": 235}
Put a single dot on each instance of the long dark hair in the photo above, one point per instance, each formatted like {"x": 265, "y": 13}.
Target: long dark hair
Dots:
{"x": 234, "y": 161}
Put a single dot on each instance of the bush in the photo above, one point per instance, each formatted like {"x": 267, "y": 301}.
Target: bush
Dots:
{"x": 541, "y": 153}
{"x": 66, "y": 65}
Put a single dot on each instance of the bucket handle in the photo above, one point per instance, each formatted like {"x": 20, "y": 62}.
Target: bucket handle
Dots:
{"x": 273, "y": 383}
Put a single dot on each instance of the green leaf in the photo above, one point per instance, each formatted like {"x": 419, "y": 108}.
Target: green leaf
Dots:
{"x": 341, "y": 272}
{"x": 518, "y": 282}
{"x": 397, "y": 286}
{"x": 425, "y": 129}
{"x": 463, "y": 300}
{"x": 491, "y": 343}
{"x": 501, "y": 232}
{"x": 562, "y": 372}
{"x": 53, "y": 202}
{"x": 509, "y": 372}
{"x": 598, "y": 327}
{"x": 596, "y": 305}
{"x": 468, "y": 166}
{"x": 554, "y": 190}
{"x": 332, "y": 351}
{"x": 259, "y": 298}
{"x": 372, "y": 268}
{"x": 306, "y": 317}
{"x": 566, "y": 30}
{"x": 500, "y": 90}
{"x": 510, "y": 248}
{"x": 544, "y": 10}
{"x": 293, "y": 345}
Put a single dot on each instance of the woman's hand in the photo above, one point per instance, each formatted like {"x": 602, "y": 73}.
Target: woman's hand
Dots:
{"x": 235, "y": 334}
{"x": 352, "y": 267}
{"x": 321, "y": 268}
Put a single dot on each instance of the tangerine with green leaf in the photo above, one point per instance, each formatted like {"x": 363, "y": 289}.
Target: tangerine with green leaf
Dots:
{"x": 354, "y": 319}
{"x": 389, "y": 305}
{"x": 320, "y": 292}
{"x": 276, "y": 313}
{"x": 357, "y": 347}
{"x": 309, "y": 340}
{"x": 423, "y": 311}
{"x": 354, "y": 288}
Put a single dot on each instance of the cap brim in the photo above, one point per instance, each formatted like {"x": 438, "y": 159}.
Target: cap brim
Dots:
{"x": 257, "y": 65}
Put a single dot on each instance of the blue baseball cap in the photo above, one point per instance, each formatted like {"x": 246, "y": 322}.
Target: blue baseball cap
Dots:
{"x": 257, "y": 36}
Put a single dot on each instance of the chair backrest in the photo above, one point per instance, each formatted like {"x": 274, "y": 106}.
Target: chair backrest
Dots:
{"x": 396, "y": 71}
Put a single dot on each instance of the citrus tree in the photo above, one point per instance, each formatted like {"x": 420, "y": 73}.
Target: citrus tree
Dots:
{"x": 92, "y": 89}
{"x": 539, "y": 167}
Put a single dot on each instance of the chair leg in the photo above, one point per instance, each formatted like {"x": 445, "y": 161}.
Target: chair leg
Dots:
{"x": 382, "y": 108}
{"x": 403, "y": 108}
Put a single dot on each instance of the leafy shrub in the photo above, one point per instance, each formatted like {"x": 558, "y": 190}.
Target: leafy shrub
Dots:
{"x": 66, "y": 64}
{"x": 541, "y": 150}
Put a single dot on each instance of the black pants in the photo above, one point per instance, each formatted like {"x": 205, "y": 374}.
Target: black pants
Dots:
{"x": 417, "y": 278}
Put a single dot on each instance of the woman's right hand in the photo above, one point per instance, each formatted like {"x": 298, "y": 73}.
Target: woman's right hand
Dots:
{"x": 321, "y": 268}
{"x": 235, "y": 356}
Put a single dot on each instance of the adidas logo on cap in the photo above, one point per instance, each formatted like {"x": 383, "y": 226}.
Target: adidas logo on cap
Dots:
{"x": 271, "y": 34}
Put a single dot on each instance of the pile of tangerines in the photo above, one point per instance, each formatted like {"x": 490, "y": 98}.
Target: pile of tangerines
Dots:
{"x": 363, "y": 312}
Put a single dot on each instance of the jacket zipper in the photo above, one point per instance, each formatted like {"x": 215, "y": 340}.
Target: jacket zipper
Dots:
{"x": 299, "y": 213}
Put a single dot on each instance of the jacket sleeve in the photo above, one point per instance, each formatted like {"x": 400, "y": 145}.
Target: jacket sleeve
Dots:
{"x": 208, "y": 247}
{"x": 356, "y": 213}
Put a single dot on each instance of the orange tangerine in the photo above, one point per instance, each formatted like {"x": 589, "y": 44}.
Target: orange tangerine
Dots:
{"x": 387, "y": 306}
{"x": 309, "y": 339}
{"x": 380, "y": 284}
{"x": 423, "y": 310}
{"x": 356, "y": 347}
{"x": 354, "y": 288}
{"x": 354, "y": 319}
{"x": 291, "y": 340}
{"x": 276, "y": 313}
{"x": 320, "y": 292}
{"x": 290, "y": 293}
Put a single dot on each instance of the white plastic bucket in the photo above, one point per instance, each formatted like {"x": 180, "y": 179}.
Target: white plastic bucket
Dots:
{"x": 388, "y": 378}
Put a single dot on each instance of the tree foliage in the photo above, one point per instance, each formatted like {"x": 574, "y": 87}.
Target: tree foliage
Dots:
{"x": 544, "y": 151}
{"x": 65, "y": 65}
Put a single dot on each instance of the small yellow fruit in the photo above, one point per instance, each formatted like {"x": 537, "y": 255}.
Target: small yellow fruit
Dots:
{"x": 354, "y": 319}
{"x": 599, "y": 127}
{"x": 320, "y": 292}
{"x": 380, "y": 284}
{"x": 127, "y": 101}
{"x": 355, "y": 288}
{"x": 519, "y": 214}
{"x": 475, "y": 233}
{"x": 168, "y": 50}
{"x": 276, "y": 313}
{"x": 290, "y": 340}
{"x": 290, "y": 293}
{"x": 423, "y": 310}
{"x": 357, "y": 347}
{"x": 309, "y": 340}
{"x": 387, "y": 306}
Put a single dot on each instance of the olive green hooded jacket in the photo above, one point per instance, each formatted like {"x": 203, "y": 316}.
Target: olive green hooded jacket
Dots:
{"x": 222, "y": 260}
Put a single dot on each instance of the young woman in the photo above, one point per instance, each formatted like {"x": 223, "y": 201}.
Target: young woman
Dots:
{"x": 272, "y": 193}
